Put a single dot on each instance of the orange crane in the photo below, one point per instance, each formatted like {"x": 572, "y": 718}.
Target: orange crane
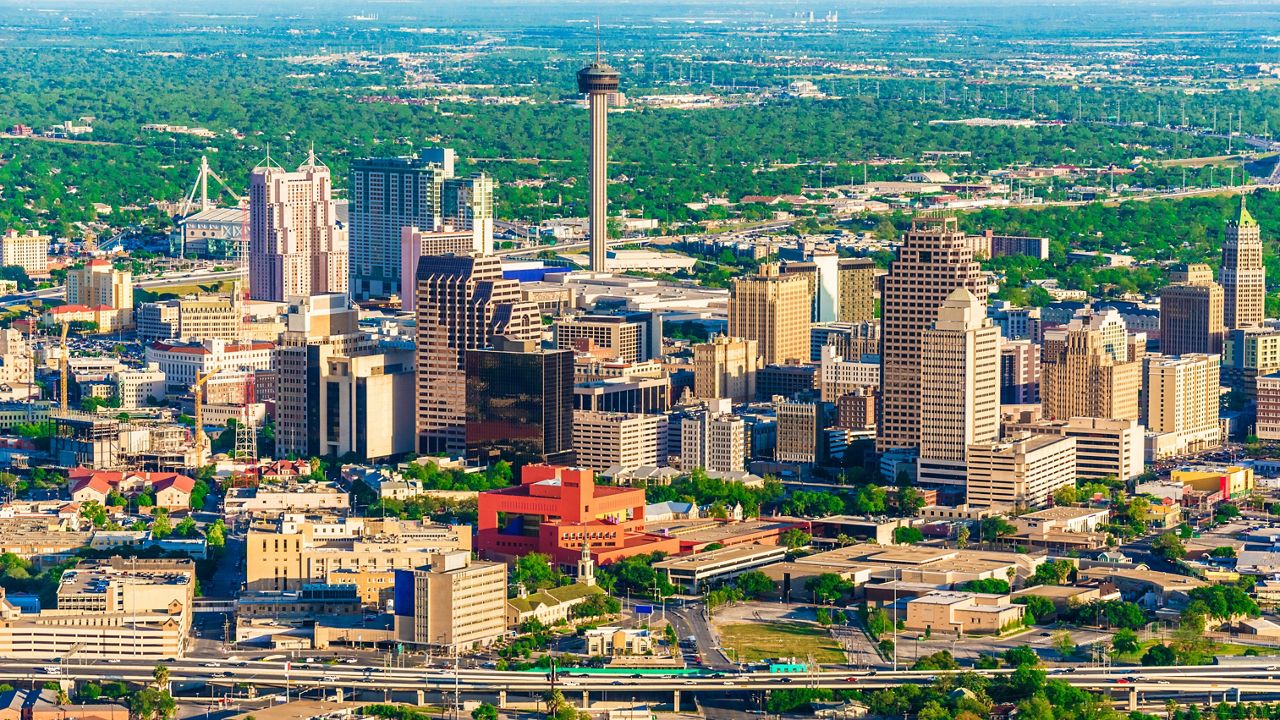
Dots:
{"x": 62, "y": 386}
{"x": 201, "y": 440}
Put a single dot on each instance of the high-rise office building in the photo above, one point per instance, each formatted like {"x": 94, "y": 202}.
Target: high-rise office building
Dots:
{"x": 857, "y": 290}
{"x": 1019, "y": 372}
{"x": 598, "y": 82}
{"x": 519, "y": 403}
{"x": 366, "y": 404}
{"x": 630, "y": 337}
{"x": 959, "y": 387}
{"x": 602, "y": 440}
{"x": 935, "y": 259}
{"x": 297, "y": 245}
{"x": 773, "y": 309}
{"x": 725, "y": 367}
{"x": 453, "y": 604}
{"x": 462, "y": 304}
{"x": 1191, "y": 312}
{"x": 1243, "y": 277}
{"x": 1182, "y": 399}
{"x": 318, "y": 327}
{"x": 1085, "y": 370}
{"x": 388, "y": 195}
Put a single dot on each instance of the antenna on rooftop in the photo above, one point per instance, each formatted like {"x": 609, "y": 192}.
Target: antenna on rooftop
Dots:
{"x": 597, "y": 39}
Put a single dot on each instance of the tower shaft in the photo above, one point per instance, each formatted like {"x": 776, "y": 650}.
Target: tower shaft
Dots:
{"x": 598, "y": 224}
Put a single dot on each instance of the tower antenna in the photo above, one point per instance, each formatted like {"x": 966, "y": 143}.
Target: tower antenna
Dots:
{"x": 597, "y": 39}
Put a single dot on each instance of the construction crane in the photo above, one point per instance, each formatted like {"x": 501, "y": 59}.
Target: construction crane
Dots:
{"x": 62, "y": 382}
{"x": 201, "y": 440}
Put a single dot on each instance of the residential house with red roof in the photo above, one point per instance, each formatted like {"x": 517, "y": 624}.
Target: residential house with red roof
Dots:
{"x": 172, "y": 491}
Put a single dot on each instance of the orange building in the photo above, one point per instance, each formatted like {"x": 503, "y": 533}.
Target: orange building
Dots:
{"x": 556, "y": 510}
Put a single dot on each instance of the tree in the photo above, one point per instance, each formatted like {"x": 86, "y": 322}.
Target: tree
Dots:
{"x": 160, "y": 677}
{"x": 879, "y": 623}
{"x": 1159, "y": 655}
{"x": 826, "y": 588}
{"x": 1065, "y": 495}
{"x": 534, "y": 571}
{"x": 1021, "y": 656}
{"x": 1063, "y": 643}
{"x": 1039, "y": 608}
{"x": 1125, "y": 641}
{"x": 94, "y": 513}
{"x": 1169, "y": 547}
{"x": 907, "y": 535}
{"x": 215, "y": 536}
{"x": 962, "y": 537}
{"x": 755, "y": 584}
{"x": 161, "y": 526}
{"x": 1053, "y": 572}
{"x": 985, "y": 585}
{"x": 485, "y": 711}
{"x": 795, "y": 538}
{"x": 186, "y": 527}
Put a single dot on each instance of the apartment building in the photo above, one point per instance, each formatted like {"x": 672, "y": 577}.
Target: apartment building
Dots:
{"x": 28, "y": 251}
{"x": 297, "y": 244}
{"x": 1086, "y": 370}
{"x": 99, "y": 286}
{"x": 773, "y": 309}
{"x": 1191, "y": 312}
{"x": 713, "y": 441}
{"x": 1182, "y": 402}
{"x": 198, "y": 317}
{"x": 838, "y": 376}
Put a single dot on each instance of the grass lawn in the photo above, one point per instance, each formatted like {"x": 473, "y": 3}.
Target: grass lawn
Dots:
{"x": 1217, "y": 648}
{"x": 753, "y": 642}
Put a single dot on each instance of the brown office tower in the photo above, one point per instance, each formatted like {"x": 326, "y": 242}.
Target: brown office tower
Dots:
{"x": 1191, "y": 312}
{"x": 935, "y": 259}
{"x": 773, "y": 309}
{"x": 1244, "y": 280}
{"x": 1086, "y": 371}
{"x": 297, "y": 245}
{"x": 463, "y": 302}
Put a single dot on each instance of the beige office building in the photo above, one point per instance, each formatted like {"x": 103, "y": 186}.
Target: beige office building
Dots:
{"x": 1020, "y": 472}
{"x": 713, "y": 441}
{"x": 192, "y": 318}
{"x": 857, "y": 290}
{"x": 1243, "y": 276}
{"x": 602, "y": 440}
{"x": 960, "y": 387}
{"x": 1085, "y": 370}
{"x": 773, "y": 309}
{"x": 1191, "y": 313}
{"x": 1104, "y": 447}
{"x": 29, "y": 252}
{"x": 319, "y": 327}
{"x": 97, "y": 284}
{"x": 456, "y": 603}
{"x": 291, "y": 550}
{"x": 1182, "y": 401}
{"x": 625, "y": 340}
{"x": 725, "y": 367}
{"x": 935, "y": 259}
{"x": 366, "y": 404}
{"x": 838, "y": 377}
{"x": 297, "y": 245}
{"x": 463, "y": 302}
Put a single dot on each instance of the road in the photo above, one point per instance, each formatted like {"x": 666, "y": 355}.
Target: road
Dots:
{"x": 690, "y": 621}
{"x": 184, "y": 278}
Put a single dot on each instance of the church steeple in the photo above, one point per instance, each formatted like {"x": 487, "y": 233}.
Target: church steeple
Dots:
{"x": 586, "y": 566}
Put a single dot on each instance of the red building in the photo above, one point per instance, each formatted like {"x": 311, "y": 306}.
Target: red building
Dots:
{"x": 555, "y": 510}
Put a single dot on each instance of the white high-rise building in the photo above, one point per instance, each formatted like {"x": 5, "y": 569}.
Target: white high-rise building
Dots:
{"x": 959, "y": 387}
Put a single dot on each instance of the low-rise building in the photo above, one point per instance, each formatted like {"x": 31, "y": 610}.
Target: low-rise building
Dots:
{"x": 273, "y": 498}
{"x": 1104, "y": 447}
{"x": 1231, "y": 482}
{"x": 963, "y": 613}
{"x": 692, "y": 573}
{"x": 171, "y": 491}
{"x": 548, "y": 606}
{"x": 1023, "y": 472}
{"x": 612, "y": 641}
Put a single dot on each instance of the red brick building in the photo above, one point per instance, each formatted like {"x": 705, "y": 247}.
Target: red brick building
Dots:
{"x": 555, "y": 510}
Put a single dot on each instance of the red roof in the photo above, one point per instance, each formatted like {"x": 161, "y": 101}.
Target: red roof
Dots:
{"x": 104, "y": 481}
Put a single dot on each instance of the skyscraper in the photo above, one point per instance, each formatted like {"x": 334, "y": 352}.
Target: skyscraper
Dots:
{"x": 297, "y": 246}
{"x": 1182, "y": 399}
{"x": 388, "y": 194}
{"x": 317, "y": 328}
{"x": 1085, "y": 370}
{"x": 725, "y": 367}
{"x": 1244, "y": 280}
{"x": 857, "y": 290}
{"x": 935, "y": 259}
{"x": 598, "y": 81}
{"x": 774, "y": 310}
{"x": 1191, "y": 313}
{"x": 519, "y": 404}
{"x": 462, "y": 303}
{"x": 959, "y": 387}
